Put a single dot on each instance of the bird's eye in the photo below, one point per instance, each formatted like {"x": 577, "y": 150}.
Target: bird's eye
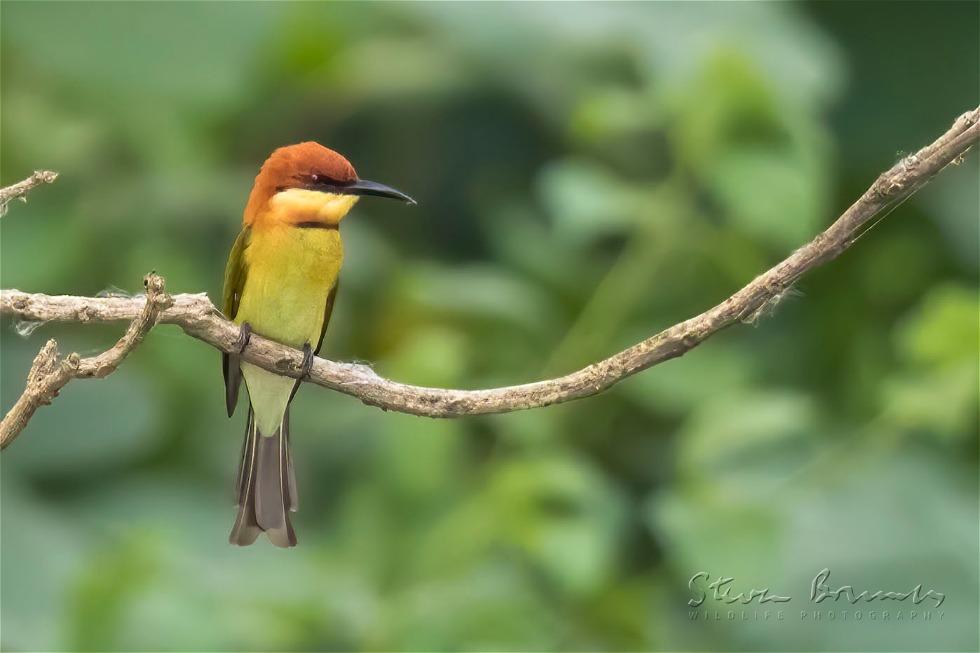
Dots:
{"x": 314, "y": 178}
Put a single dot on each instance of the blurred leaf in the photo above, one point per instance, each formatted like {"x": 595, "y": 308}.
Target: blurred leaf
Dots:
{"x": 563, "y": 515}
{"x": 43, "y": 548}
{"x": 943, "y": 330}
{"x": 951, "y": 200}
{"x": 718, "y": 535}
{"x": 586, "y": 202}
{"x": 474, "y": 293}
{"x": 939, "y": 391}
{"x": 103, "y": 593}
{"x": 678, "y": 389}
{"x": 738, "y": 439}
{"x": 942, "y": 402}
{"x": 211, "y": 62}
{"x": 769, "y": 195}
{"x": 612, "y": 112}
{"x": 492, "y": 605}
{"x": 730, "y": 105}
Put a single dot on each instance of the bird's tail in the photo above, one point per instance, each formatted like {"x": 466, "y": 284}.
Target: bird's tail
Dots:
{"x": 266, "y": 487}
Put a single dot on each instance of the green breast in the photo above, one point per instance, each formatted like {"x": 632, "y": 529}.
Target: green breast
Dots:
{"x": 290, "y": 273}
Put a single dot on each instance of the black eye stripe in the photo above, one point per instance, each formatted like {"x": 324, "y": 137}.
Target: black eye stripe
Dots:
{"x": 320, "y": 179}
{"x": 318, "y": 182}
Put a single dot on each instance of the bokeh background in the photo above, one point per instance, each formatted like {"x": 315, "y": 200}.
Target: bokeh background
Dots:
{"x": 587, "y": 174}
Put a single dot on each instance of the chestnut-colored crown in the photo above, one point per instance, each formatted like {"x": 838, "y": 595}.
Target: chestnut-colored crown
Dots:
{"x": 296, "y": 166}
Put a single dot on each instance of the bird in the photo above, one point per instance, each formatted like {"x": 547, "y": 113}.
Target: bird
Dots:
{"x": 280, "y": 283}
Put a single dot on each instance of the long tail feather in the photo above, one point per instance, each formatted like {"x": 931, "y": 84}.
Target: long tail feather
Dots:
{"x": 246, "y": 529}
{"x": 293, "y": 503}
{"x": 266, "y": 488}
{"x": 244, "y": 461}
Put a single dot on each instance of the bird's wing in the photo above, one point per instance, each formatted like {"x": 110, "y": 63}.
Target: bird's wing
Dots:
{"x": 235, "y": 274}
{"x": 327, "y": 312}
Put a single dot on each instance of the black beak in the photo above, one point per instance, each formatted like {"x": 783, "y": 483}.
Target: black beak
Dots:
{"x": 365, "y": 187}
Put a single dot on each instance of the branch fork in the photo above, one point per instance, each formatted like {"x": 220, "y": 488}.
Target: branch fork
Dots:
{"x": 49, "y": 373}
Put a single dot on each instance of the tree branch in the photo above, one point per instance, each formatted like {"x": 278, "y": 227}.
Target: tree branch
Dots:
{"x": 198, "y": 317}
{"x": 20, "y": 189}
{"x": 49, "y": 375}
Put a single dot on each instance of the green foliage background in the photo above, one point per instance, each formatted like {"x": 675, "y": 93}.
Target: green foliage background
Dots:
{"x": 586, "y": 174}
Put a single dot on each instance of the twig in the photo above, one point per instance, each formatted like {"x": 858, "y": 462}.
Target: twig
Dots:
{"x": 198, "y": 317}
{"x": 49, "y": 374}
{"x": 20, "y": 189}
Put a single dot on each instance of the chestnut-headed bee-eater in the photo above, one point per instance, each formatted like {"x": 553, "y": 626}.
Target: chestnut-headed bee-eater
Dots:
{"x": 280, "y": 283}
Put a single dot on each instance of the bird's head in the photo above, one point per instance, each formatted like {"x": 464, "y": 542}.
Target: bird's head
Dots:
{"x": 309, "y": 184}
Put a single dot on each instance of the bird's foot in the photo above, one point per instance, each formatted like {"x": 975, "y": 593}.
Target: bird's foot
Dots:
{"x": 308, "y": 357}
{"x": 244, "y": 335}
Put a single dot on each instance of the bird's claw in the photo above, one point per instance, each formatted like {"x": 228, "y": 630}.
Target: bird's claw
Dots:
{"x": 244, "y": 335}
{"x": 308, "y": 357}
